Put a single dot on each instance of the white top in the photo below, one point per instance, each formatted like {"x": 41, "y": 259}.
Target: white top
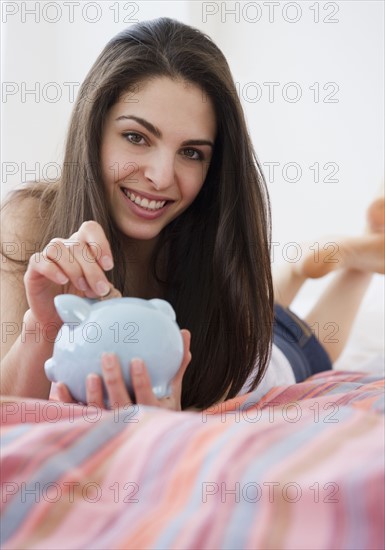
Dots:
{"x": 278, "y": 373}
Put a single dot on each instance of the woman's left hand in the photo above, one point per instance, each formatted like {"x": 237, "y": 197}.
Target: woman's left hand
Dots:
{"x": 116, "y": 389}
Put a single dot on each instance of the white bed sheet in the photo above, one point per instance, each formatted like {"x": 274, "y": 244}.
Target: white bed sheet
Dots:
{"x": 365, "y": 350}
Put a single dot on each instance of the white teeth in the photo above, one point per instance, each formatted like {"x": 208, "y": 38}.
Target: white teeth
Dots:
{"x": 144, "y": 203}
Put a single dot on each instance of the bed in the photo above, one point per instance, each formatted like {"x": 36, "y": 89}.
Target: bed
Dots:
{"x": 301, "y": 468}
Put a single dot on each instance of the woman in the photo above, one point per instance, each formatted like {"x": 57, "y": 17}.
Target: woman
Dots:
{"x": 161, "y": 195}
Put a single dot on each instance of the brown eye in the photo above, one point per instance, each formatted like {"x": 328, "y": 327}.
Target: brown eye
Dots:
{"x": 133, "y": 137}
{"x": 193, "y": 154}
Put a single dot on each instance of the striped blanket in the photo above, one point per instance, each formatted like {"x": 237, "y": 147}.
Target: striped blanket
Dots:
{"x": 301, "y": 468}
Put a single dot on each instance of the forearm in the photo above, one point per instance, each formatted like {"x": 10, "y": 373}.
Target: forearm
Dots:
{"x": 22, "y": 369}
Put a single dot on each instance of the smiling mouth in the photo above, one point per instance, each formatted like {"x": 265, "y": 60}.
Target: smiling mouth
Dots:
{"x": 146, "y": 204}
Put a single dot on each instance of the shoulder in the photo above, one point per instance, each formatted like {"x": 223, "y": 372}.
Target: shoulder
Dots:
{"x": 22, "y": 222}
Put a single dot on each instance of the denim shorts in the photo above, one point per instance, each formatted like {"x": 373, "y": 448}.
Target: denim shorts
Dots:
{"x": 298, "y": 343}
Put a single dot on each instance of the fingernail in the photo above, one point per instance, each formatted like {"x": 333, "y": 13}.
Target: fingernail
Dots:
{"x": 82, "y": 283}
{"x": 137, "y": 365}
{"x": 102, "y": 288}
{"x": 62, "y": 279}
{"x": 107, "y": 262}
{"x": 92, "y": 382}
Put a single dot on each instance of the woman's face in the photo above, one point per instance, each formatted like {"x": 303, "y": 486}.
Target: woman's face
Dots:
{"x": 156, "y": 146}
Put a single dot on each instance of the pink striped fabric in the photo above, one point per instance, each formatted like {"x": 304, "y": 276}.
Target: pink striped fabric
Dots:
{"x": 303, "y": 468}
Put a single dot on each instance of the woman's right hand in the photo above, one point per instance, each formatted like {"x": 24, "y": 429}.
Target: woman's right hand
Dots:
{"x": 75, "y": 265}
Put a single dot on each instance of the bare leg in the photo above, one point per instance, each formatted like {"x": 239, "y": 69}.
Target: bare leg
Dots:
{"x": 364, "y": 253}
{"x": 355, "y": 259}
{"x": 334, "y": 313}
{"x": 287, "y": 282}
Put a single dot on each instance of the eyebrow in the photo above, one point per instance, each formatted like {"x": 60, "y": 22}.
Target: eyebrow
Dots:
{"x": 157, "y": 133}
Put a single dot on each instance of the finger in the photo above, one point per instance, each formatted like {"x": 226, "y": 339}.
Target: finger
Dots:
{"x": 63, "y": 393}
{"x": 40, "y": 269}
{"x": 82, "y": 267}
{"x": 177, "y": 380}
{"x": 141, "y": 383}
{"x": 94, "y": 391}
{"x": 67, "y": 255}
{"x": 113, "y": 379}
{"x": 92, "y": 233}
{"x": 82, "y": 259}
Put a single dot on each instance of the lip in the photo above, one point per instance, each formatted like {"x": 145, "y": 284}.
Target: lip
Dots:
{"x": 148, "y": 196}
{"x": 145, "y": 214}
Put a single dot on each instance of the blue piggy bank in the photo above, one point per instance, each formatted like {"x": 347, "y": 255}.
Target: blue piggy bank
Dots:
{"x": 128, "y": 327}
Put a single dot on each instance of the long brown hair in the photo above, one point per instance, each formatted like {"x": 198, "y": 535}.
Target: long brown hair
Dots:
{"x": 218, "y": 273}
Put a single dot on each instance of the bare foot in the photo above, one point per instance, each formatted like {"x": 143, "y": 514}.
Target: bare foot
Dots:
{"x": 365, "y": 253}
{"x": 375, "y": 216}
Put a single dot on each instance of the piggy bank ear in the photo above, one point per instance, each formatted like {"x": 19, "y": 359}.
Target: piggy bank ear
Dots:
{"x": 164, "y": 306}
{"x": 72, "y": 308}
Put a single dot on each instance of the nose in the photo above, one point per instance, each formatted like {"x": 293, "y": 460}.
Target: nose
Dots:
{"x": 160, "y": 170}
